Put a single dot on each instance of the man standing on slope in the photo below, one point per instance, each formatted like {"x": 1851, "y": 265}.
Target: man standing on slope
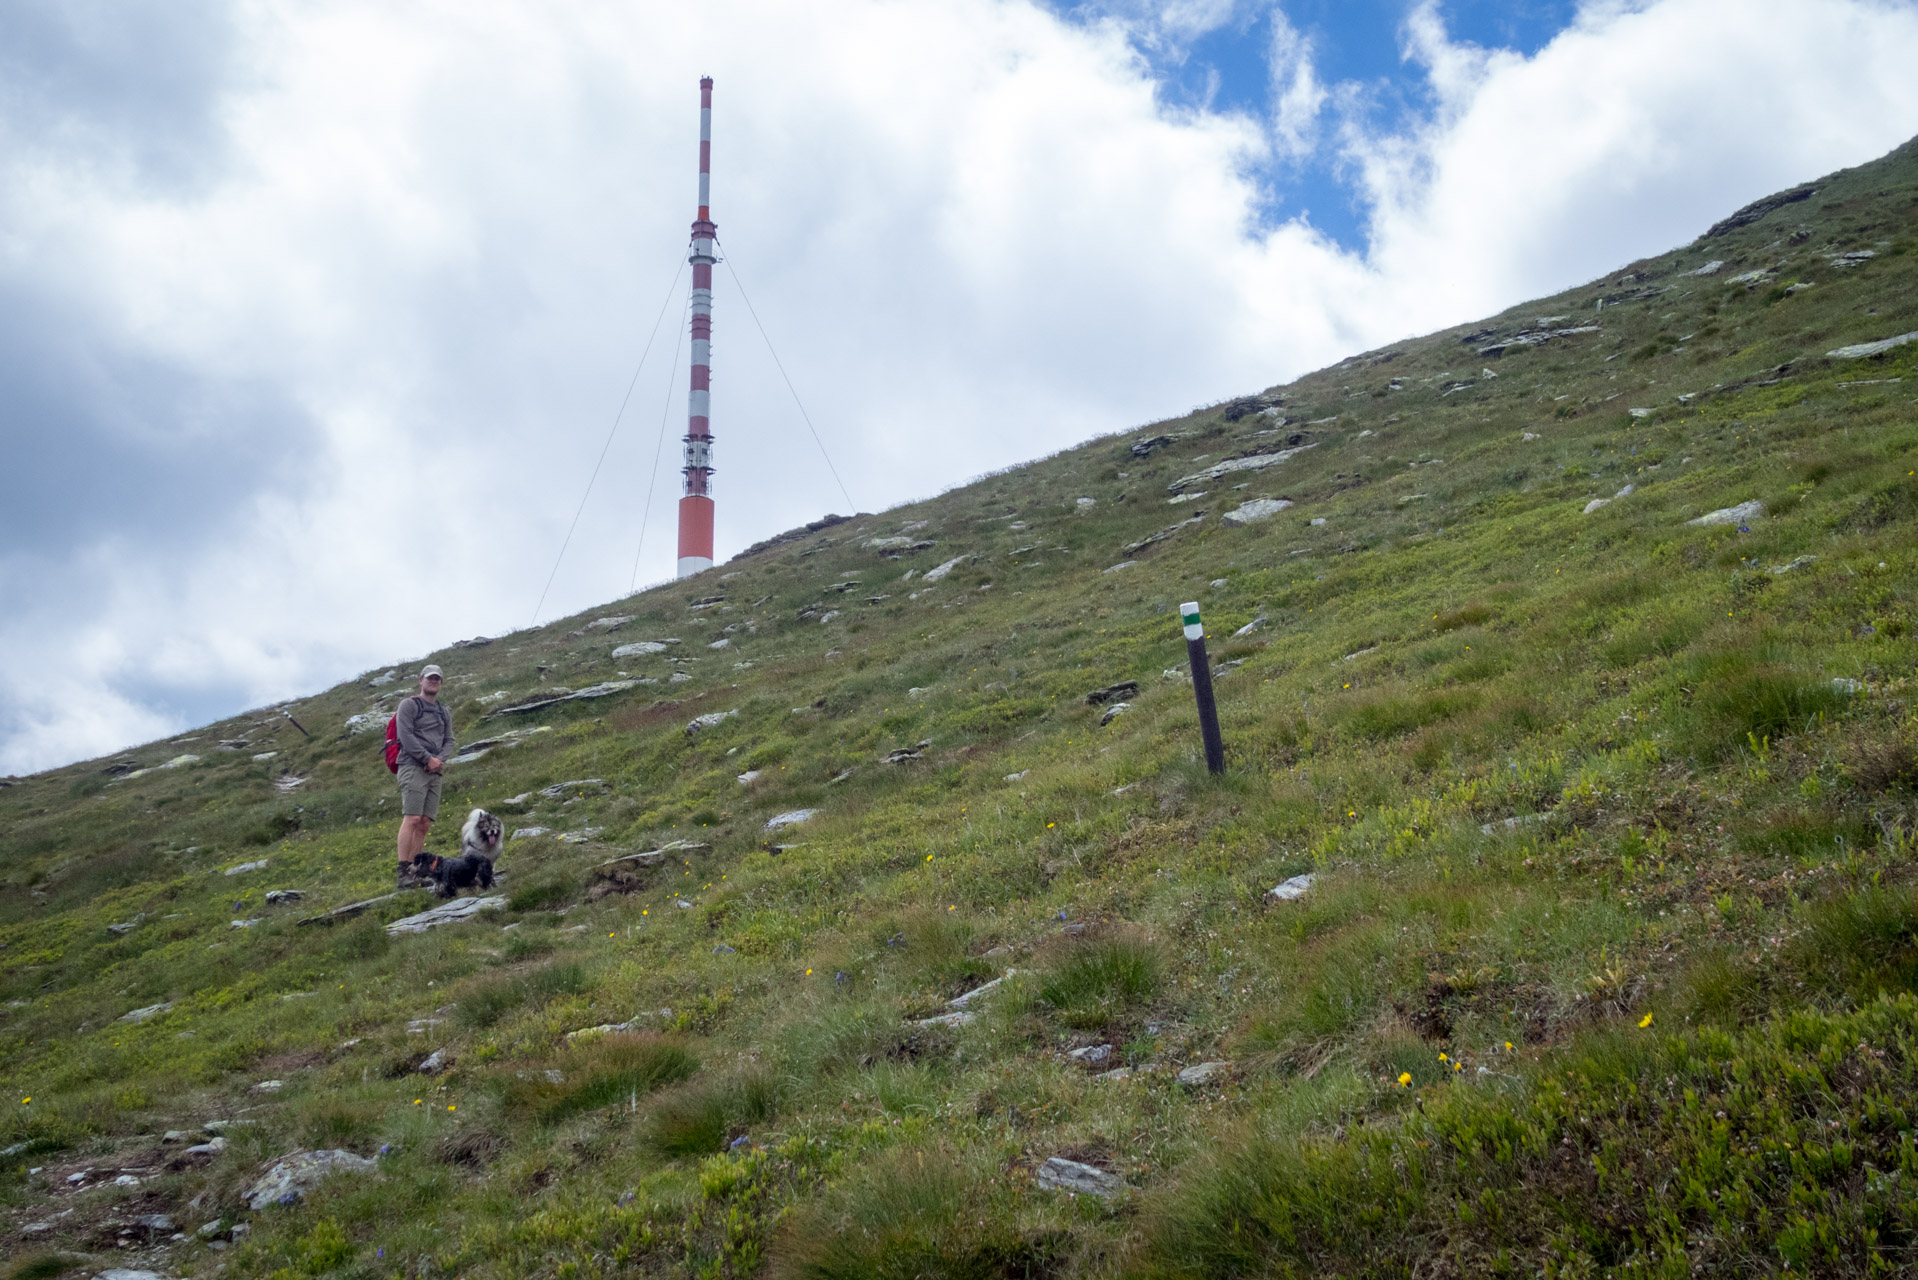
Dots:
{"x": 425, "y": 730}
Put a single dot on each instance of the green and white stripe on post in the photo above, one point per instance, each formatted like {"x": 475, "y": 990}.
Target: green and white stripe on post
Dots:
{"x": 1189, "y": 614}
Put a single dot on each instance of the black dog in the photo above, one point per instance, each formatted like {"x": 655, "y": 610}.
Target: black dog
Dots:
{"x": 479, "y": 842}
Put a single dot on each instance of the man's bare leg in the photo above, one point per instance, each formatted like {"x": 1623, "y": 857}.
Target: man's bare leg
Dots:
{"x": 412, "y": 842}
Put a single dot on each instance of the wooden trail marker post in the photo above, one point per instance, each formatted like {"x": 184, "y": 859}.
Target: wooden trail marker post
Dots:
{"x": 1202, "y": 686}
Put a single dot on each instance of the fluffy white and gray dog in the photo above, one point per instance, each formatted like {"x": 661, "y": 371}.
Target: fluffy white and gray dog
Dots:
{"x": 479, "y": 844}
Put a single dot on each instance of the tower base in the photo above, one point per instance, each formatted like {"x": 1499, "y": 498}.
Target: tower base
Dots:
{"x": 689, "y": 565}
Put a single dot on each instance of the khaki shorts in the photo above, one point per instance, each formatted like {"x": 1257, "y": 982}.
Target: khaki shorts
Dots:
{"x": 419, "y": 791}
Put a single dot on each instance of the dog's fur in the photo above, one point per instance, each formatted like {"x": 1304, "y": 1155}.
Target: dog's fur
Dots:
{"x": 479, "y": 843}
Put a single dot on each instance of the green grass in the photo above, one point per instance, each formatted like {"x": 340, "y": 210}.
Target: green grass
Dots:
{"x": 1553, "y": 772}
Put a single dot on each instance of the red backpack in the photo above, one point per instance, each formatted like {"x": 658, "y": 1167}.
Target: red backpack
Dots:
{"x": 393, "y": 744}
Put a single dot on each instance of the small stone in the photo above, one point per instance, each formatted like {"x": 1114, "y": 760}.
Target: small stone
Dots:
{"x": 1113, "y": 712}
{"x": 277, "y": 896}
{"x": 246, "y": 924}
{"x": 1019, "y": 776}
{"x": 1254, "y": 511}
{"x": 711, "y": 720}
{"x": 434, "y": 1062}
{"x": 126, "y": 1180}
{"x": 122, "y": 930}
{"x": 1061, "y": 1174}
{"x": 1091, "y": 1055}
{"x": 642, "y": 648}
{"x": 1626, "y": 492}
{"x": 1117, "y": 1073}
{"x": 211, "y": 1229}
{"x": 1596, "y": 503}
{"x": 141, "y": 1015}
{"x": 957, "y": 1018}
{"x": 291, "y": 1178}
{"x": 245, "y": 867}
{"x": 1112, "y": 692}
{"x": 156, "y": 1222}
{"x": 1123, "y": 564}
{"x": 939, "y": 571}
{"x": 127, "y": 1273}
{"x": 211, "y": 1147}
{"x": 1204, "y": 1073}
{"x": 176, "y": 1135}
{"x": 1083, "y": 503}
{"x": 269, "y": 1086}
{"x": 1845, "y": 684}
{"x": 749, "y": 777}
{"x": 1291, "y": 890}
{"x": 1732, "y": 515}
{"x": 1250, "y": 627}
{"x": 790, "y": 818}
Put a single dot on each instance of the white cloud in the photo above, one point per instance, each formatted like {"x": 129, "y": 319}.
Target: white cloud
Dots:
{"x": 1297, "y": 95}
{"x": 437, "y": 235}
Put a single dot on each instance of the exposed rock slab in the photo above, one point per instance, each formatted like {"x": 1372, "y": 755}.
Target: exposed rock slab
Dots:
{"x": 454, "y": 912}
{"x": 1291, "y": 890}
{"x": 292, "y": 1177}
{"x": 1061, "y": 1174}
{"x": 1254, "y": 462}
{"x": 1254, "y": 511}
{"x": 1859, "y": 351}
{"x": 1732, "y": 515}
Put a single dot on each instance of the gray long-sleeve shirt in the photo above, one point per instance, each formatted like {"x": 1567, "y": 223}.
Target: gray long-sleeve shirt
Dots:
{"x": 425, "y": 729}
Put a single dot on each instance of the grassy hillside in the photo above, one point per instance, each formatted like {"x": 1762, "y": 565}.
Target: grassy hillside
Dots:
{"x": 1607, "y": 965}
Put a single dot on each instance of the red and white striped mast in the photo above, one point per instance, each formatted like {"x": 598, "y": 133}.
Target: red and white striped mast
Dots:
{"x": 696, "y": 504}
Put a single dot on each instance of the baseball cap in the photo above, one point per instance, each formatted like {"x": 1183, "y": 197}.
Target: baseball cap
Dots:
{"x": 432, "y": 669}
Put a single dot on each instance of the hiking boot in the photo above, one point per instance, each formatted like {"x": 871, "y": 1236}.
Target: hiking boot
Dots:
{"x": 410, "y": 877}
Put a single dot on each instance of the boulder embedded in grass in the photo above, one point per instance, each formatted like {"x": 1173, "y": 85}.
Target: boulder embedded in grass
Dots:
{"x": 1061, "y": 1174}
{"x": 292, "y": 1177}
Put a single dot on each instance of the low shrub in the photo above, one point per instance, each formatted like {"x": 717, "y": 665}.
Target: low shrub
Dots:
{"x": 598, "y": 1073}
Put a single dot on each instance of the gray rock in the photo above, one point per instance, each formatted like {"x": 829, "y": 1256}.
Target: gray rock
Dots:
{"x": 790, "y": 818}
{"x": 454, "y": 912}
{"x": 365, "y": 722}
{"x": 1798, "y": 563}
{"x": 605, "y": 690}
{"x": 957, "y": 1018}
{"x": 643, "y": 648}
{"x": 177, "y": 1135}
{"x": 1112, "y": 692}
{"x": 268, "y": 1086}
{"x": 1254, "y": 511}
{"x": 961, "y": 1001}
{"x": 1061, "y": 1174}
{"x": 1257, "y": 462}
{"x": 435, "y": 1062}
{"x": 711, "y": 720}
{"x": 247, "y": 924}
{"x": 1114, "y": 711}
{"x": 1595, "y": 504}
{"x": 1291, "y": 890}
{"x": 141, "y": 1015}
{"x": 580, "y": 836}
{"x": 1204, "y": 1073}
{"x": 1091, "y": 1055}
{"x": 1254, "y": 625}
{"x": 527, "y": 833}
{"x": 609, "y": 624}
{"x": 1709, "y": 269}
{"x": 749, "y": 777}
{"x": 1860, "y": 350}
{"x": 576, "y": 787}
{"x": 122, "y": 930}
{"x": 1117, "y": 1073}
{"x": 939, "y": 571}
{"x": 156, "y": 1222}
{"x": 277, "y": 896}
{"x": 1845, "y": 684}
{"x": 1732, "y": 515}
{"x": 291, "y": 1178}
{"x": 1123, "y": 564}
{"x": 127, "y": 1273}
{"x": 212, "y": 1230}
{"x": 245, "y": 867}
{"x": 211, "y": 1147}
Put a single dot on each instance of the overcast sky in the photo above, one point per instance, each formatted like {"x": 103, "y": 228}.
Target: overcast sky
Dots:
{"x": 314, "y": 317}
